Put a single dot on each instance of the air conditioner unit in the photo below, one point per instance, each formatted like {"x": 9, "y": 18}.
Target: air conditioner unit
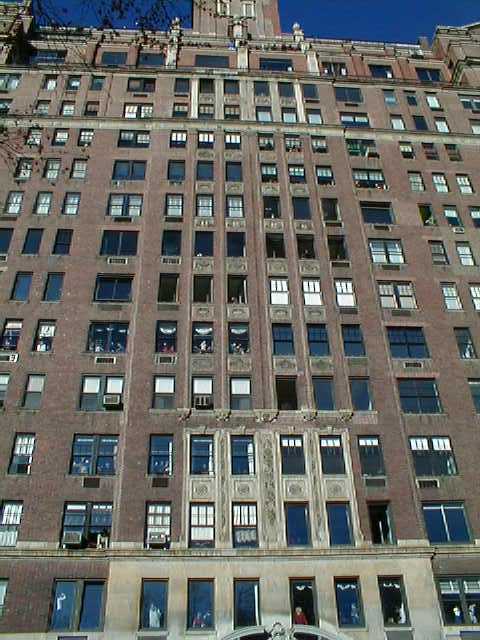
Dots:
{"x": 413, "y": 364}
{"x": 72, "y": 539}
{"x": 118, "y": 183}
{"x": 117, "y": 260}
{"x": 157, "y": 539}
{"x": 458, "y": 229}
{"x": 3, "y": 257}
{"x": 161, "y": 359}
{"x": 371, "y": 153}
{"x": 112, "y": 400}
{"x": 102, "y": 541}
{"x": 171, "y": 260}
{"x": 428, "y": 483}
{"x": 105, "y": 360}
{"x": 8, "y": 357}
{"x": 203, "y": 402}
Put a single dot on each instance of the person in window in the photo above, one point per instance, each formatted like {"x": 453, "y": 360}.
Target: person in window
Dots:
{"x": 155, "y": 617}
{"x": 472, "y": 612}
{"x": 198, "y": 620}
{"x": 299, "y": 617}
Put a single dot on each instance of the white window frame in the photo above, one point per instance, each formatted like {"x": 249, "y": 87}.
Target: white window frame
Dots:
{"x": 464, "y": 184}
{"x": 440, "y": 183}
{"x": 312, "y": 292}
{"x": 279, "y": 294}
{"x": 451, "y": 297}
{"x": 345, "y": 293}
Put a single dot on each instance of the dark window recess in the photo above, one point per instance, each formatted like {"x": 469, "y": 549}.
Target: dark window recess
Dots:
{"x": 306, "y": 247}
{"x": 353, "y": 344}
{"x": 200, "y": 603}
{"x": 301, "y": 208}
{"x": 271, "y": 207}
{"x": 113, "y": 289}
{"x": 360, "y": 394}
{"x": 204, "y": 170}
{"x": 286, "y": 389}
{"x": 371, "y": 456}
{"x": 337, "y": 248}
{"x": 330, "y": 210}
{"x": 446, "y": 522}
{"x": 166, "y": 337}
{"x": 380, "y": 523}
{"x": 419, "y": 395}
{"x": 407, "y": 342}
{"x": 202, "y": 289}
{"x": 348, "y": 94}
{"x": 331, "y": 452}
{"x": 286, "y": 90}
{"x": 154, "y": 601}
{"x": 160, "y": 460}
{"x": 119, "y": 243}
{"x": 293, "y": 458}
{"x": 207, "y": 86}
{"x": 144, "y": 85}
{"x": 377, "y": 212}
{"x": 53, "y": 287}
{"x": 298, "y": 526}
{"x": 237, "y": 289}
{"x": 429, "y": 75}
{"x": 107, "y": 337}
{"x": 181, "y": 86}
{"x": 33, "y": 239}
{"x": 129, "y": 170}
{"x": 94, "y": 455}
{"x": 77, "y": 605}
{"x": 5, "y": 239}
{"x": 261, "y": 88}
{"x": 146, "y": 59}
{"x": 203, "y": 243}
{"x": 236, "y": 245}
{"x": 349, "y": 603}
{"x": 243, "y": 455}
{"x": 246, "y": 605}
{"x": 324, "y": 395}
{"x": 310, "y": 91}
{"x": 276, "y": 64}
{"x": 466, "y": 346}
{"x": 176, "y": 170}
{"x": 21, "y": 287}
{"x": 381, "y": 71}
{"x": 318, "y": 340}
{"x": 213, "y": 62}
{"x": 231, "y": 87}
{"x": 420, "y": 123}
{"x": 394, "y": 604}
{"x": 302, "y": 603}
{"x": 282, "y": 336}
{"x": 202, "y": 337}
{"x": 238, "y": 338}
{"x": 168, "y": 287}
{"x": 114, "y": 58}
{"x": 63, "y": 240}
{"x": 339, "y": 523}
{"x": 201, "y": 455}
{"x": 171, "y": 243}
{"x": 233, "y": 172}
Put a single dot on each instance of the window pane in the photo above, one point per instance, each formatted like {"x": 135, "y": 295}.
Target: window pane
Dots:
{"x": 91, "y": 613}
{"x": 154, "y": 604}
{"x": 200, "y": 604}
{"x": 339, "y": 524}
{"x": 246, "y": 603}
{"x": 63, "y": 606}
{"x": 298, "y": 530}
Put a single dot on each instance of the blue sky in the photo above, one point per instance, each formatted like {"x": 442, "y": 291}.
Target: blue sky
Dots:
{"x": 383, "y": 20}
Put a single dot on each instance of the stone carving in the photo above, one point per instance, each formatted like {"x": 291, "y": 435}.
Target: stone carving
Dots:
{"x": 233, "y": 187}
{"x": 202, "y": 363}
{"x": 314, "y": 313}
{"x": 309, "y": 267}
{"x": 273, "y": 225}
{"x": 203, "y": 222}
{"x": 316, "y": 490}
{"x": 184, "y": 414}
{"x": 269, "y": 494}
{"x": 237, "y": 264}
{"x": 204, "y": 313}
{"x": 174, "y": 41}
{"x": 204, "y": 153}
{"x": 303, "y": 226}
{"x": 243, "y": 489}
{"x": 239, "y": 363}
{"x": 266, "y": 416}
{"x": 201, "y": 490}
{"x": 285, "y": 364}
{"x": 279, "y": 632}
{"x": 222, "y": 415}
{"x": 280, "y": 313}
{"x": 235, "y": 224}
{"x": 203, "y": 264}
{"x": 336, "y": 489}
{"x": 309, "y": 416}
{"x": 277, "y": 266}
{"x": 237, "y": 312}
{"x": 295, "y": 489}
{"x": 321, "y": 364}
{"x": 222, "y": 498}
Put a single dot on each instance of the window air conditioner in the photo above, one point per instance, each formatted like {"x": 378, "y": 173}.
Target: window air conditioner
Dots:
{"x": 203, "y": 402}
{"x": 157, "y": 539}
{"x": 102, "y": 541}
{"x": 415, "y": 364}
{"x": 428, "y": 483}
{"x": 72, "y": 539}
{"x": 458, "y": 229}
{"x": 112, "y": 400}
{"x": 117, "y": 260}
{"x": 161, "y": 359}
{"x": 8, "y": 357}
{"x": 3, "y": 257}
{"x": 105, "y": 360}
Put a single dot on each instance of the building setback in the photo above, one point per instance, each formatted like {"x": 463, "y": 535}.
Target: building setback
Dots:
{"x": 239, "y": 301}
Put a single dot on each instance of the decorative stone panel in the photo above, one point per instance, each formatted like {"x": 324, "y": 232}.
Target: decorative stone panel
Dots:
{"x": 295, "y": 489}
{"x": 234, "y": 188}
{"x": 235, "y": 223}
{"x": 314, "y": 314}
{"x": 205, "y": 187}
{"x": 202, "y": 362}
{"x": 238, "y": 312}
{"x": 203, "y": 222}
{"x": 244, "y": 490}
{"x": 239, "y": 363}
{"x": 233, "y": 155}
{"x": 303, "y": 225}
{"x": 203, "y": 265}
{"x": 310, "y": 267}
{"x": 202, "y": 489}
{"x": 285, "y": 364}
{"x": 277, "y": 266}
{"x": 206, "y": 154}
{"x": 202, "y": 312}
{"x": 236, "y": 265}
{"x": 321, "y": 365}
{"x": 270, "y": 190}
{"x": 280, "y": 314}
{"x": 273, "y": 224}
{"x": 299, "y": 190}
{"x": 337, "y": 489}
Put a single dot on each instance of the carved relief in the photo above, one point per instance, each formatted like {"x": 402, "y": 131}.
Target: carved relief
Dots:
{"x": 270, "y": 190}
{"x": 202, "y": 312}
{"x": 234, "y": 187}
{"x": 239, "y": 363}
{"x": 202, "y": 363}
{"x": 235, "y": 223}
{"x": 336, "y": 489}
{"x": 204, "y": 265}
{"x": 203, "y": 222}
{"x": 295, "y": 490}
{"x": 205, "y": 153}
{"x": 316, "y": 484}
{"x": 314, "y": 313}
{"x": 309, "y": 267}
{"x": 303, "y": 225}
{"x": 321, "y": 364}
{"x": 201, "y": 490}
{"x": 222, "y": 498}
{"x": 277, "y": 267}
{"x": 243, "y": 489}
{"x": 237, "y": 264}
{"x": 273, "y": 225}
{"x": 280, "y": 313}
{"x": 285, "y": 364}
{"x": 268, "y": 489}
{"x": 239, "y": 312}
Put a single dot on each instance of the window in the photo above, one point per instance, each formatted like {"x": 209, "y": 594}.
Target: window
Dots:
{"x": 202, "y": 289}
{"x": 154, "y": 602}
{"x": 63, "y": 240}
{"x": 279, "y": 291}
{"x": 451, "y": 216}
{"x": 475, "y": 294}
{"x": 460, "y": 600}
{"x": 12, "y": 330}
{"x": 206, "y": 111}
{"x": 3, "y": 595}
{"x": 238, "y": 338}
{"x": 246, "y": 599}
{"x": 380, "y": 523}
{"x": 42, "y": 107}
{"x": 49, "y": 83}
{"x": 97, "y": 83}
{"x": 348, "y": 94}
{"x": 286, "y": 390}
{"x": 318, "y": 340}
{"x": 389, "y": 97}
{"x": 319, "y": 143}
{"x": 43, "y": 203}
{"x": 234, "y": 208}
{"x": 446, "y": 522}
{"x": 440, "y": 183}
{"x": 323, "y": 392}
{"x": 371, "y": 456}
{"x": 201, "y": 455}
{"x": 200, "y": 603}
{"x": 337, "y": 248}
{"x": 77, "y": 605}
{"x": 24, "y": 169}
{"x": 85, "y": 523}
{"x": 150, "y": 59}
{"x": 305, "y": 247}
{"x": 345, "y": 293}
{"x": 465, "y": 254}
{"x": 160, "y": 457}
{"x": 237, "y": 290}
{"x": 102, "y": 393}
{"x": 450, "y": 296}
{"x": 292, "y": 142}
{"x": 22, "y": 454}
{"x": 138, "y": 111}
{"x": 325, "y": 176}
{"x": 240, "y": 394}
{"x": 426, "y": 215}
{"x": 231, "y": 87}
{"x": 113, "y": 289}
{"x": 206, "y": 86}
{"x": 166, "y": 337}
{"x": 433, "y": 456}
{"x": 428, "y": 75}
{"x": 352, "y": 337}
{"x": 381, "y": 71}
{"x": 419, "y": 395}
{"x": 71, "y": 204}
{"x": 32, "y": 397}
{"x": 60, "y": 137}
{"x": 233, "y": 140}
{"x": 416, "y": 181}
{"x": 302, "y": 602}
{"x": 361, "y": 394}
{"x": 158, "y": 525}
{"x": 466, "y": 346}
{"x": 330, "y": 210}
{"x": 114, "y": 58}
{"x": 244, "y": 525}
{"x": 296, "y": 173}
{"x": 397, "y": 295}
{"x": 129, "y": 170}
{"x": 202, "y": 337}
{"x": 33, "y": 239}
{"x": 67, "y": 109}
{"x": 475, "y": 215}
{"x": 312, "y": 292}
{"x": 119, "y": 243}
{"x": 433, "y": 102}
{"x": 202, "y": 528}
{"x": 53, "y": 287}
{"x": 163, "y": 392}
{"x": 13, "y": 204}
{"x": 293, "y": 458}
{"x": 43, "y": 341}
{"x": 233, "y": 172}
{"x": 289, "y": 115}
{"x": 92, "y": 109}
{"x": 339, "y": 523}
{"x": 205, "y": 140}
{"x": 453, "y": 152}
{"x": 178, "y": 139}
{"x": 79, "y": 170}
{"x": 470, "y": 102}
{"x": 475, "y": 391}
{"x": 203, "y": 243}
{"x": 5, "y": 238}
{"x": 394, "y": 605}
{"x": 361, "y": 148}
{"x": 335, "y": 69}
{"x": 94, "y": 455}
{"x": 171, "y": 243}
{"x": 10, "y": 520}
{"x": 142, "y": 85}
{"x": 464, "y": 184}
{"x": 276, "y": 64}
{"x": 407, "y": 342}
{"x": 21, "y": 287}
{"x": 271, "y": 207}
{"x": 282, "y": 337}
{"x": 243, "y": 455}
{"x": 298, "y": 525}
{"x": 174, "y": 205}
{"x": 205, "y": 170}
{"x": 407, "y": 151}
{"x": 34, "y": 137}
{"x": 269, "y": 172}
{"x": 264, "y": 114}
{"x": 368, "y": 179}
{"x": 358, "y": 120}
{"x": 386, "y": 251}
{"x": 397, "y": 123}
{"x": 441, "y": 125}
{"x": 331, "y": 452}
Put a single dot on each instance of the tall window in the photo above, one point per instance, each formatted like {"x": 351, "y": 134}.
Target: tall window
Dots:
{"x": 323, "y": 391}
{"x": 163, "y": 392}
{"x": 154, "y": 604}
{"x": 371, "y": 456}
{"x": 349, "y": 602}
{"x": 460, "y": 600}
{"x": 32, "y": 398}
{"x": 339, "y": 523}
{"x": 10, "y": 520}
{"x": 298, "y": 524}
{"x": 22, "y": 454}
{"x": 201, "y": 455}
{"x": 242, "y": 455}
{"x": 246, "y": 602}
{"x": 419, "y": 395}
{"x": 293, "y": 458}
{"x": 158, "y": 529}
{"x": 200, "y": 614}
{"x": 94, "y": 455}
{"x": 202, "y": 526}
{"x": 466, "y": 346}
{"x": 353, "y": 344}
{"x": 77, "y": 605}
{"x": 451, "y": 297}
{"x": 345, "y": 293}
{"x": 407, "y": 342}
{"x": 160, "y": 457}
{"x": 394, "y": 602}
{"x": 433, "y": 456}
{"x": 302, "y": 602}
{"x": 244, "y": 523}
{"x": 318, "y": 340}
{"x": 331, "y": 452}
{"x": 446, "y": 522}
{"x": 283, "y": 344}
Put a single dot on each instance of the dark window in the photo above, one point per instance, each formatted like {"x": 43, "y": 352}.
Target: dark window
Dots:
{"x": 107, "y": 337}
{"x": 202, "y": 289}
{"x": 129, "y": 170}
{"x": 407, "y": 342}
{"x": 171, "y": 243}
{"x": 394, "y": 604}
{"x": 32, "y": 241}
{"x": 235, "y": 244}
{"x": 310, "y": 91}
{"x": 200, "y": 603}
{"x": 168, "y": 287}
{"x": 466, "y": 347}
{"x": 21, "y": 287}
{"x": 96, "y": 83}
{"x": 266, "y": 142}
{"x": 5, "y": 239}
{"x": 202, "y": 337}
{"x": 433, "y": 456}
{"x": 91, "y": 109}
{"x": 77, "y": 605}
{"x": 285, "y": 90}
{"x": 371, "y": 456}
{"x": 460, "y": 598}
{"x": 419, "y": 395}
{"x": 293, "y": 458}
{"x": 302, "y": 602}
{"x": 411, "y": 98}
{"x": 243, "y": 455}
{"x": 86, "y": 521}
{"x": 62, "y": 243}
{"x": 139, "y": 139}
{"x": 339, "y": 523}
{"x": 204, "y": 170}
{"x": 361, "y": 395}
{"x": 146, "y": 59}
{"x": 160, "y": 459}
{"x": 12, "y": 330}
{"x": 348, "y": 94}
{"x": 233, "y": 172}
{"x": 144, "y": 85}
{"x": 47, "y": 56}
{"x": 446, "y": 522}
{"x": 331, "y": 452}
{"x": 349, "y": 603}
{"x": 21, "y": 459}
{"x": 231, "y": 87}
{"x": 420, "y": 123}
{"x": 429, "y": 75}
{"x": 271, "y": 207}
{"x": 203, "y": 243}
{"x": 318, "y": 340}
{"x": 276, "y": 64}
{"x": 337, "y": 248}
{"x": 201, "y": 455}
{"x": 353, "y": 344}
{"x": 261, "y": 88}
{"x": 53, "y": 287}
{"x": 306, "y": 247}
{"x": 330, "y": 210}
{"x": 113, "y": 289}
{"x": 380, "y": 523}
{"x": 324, "y": 394}
{"x": 32, "y": 397}
{"x": 298, "y": 526}
{"x": 377, "y": 212}
{"x": 301, "y": 208}
{"x": 237, "y": 290}
{"x": 176, "y": 170}
{"x": 215, "y": 62}
{"x": 94, "y": 455}
{"x": 114, "y": 58}
{"x": 119, "y": 243}
{"x": 381, "y": 71}
{"x": 206, "y": 85}
{"x": 282, "y": 336}
{"x": 247, "y": 604}
{"x": 154, "y": 604}
{"x": 182, "y": 86}
{"x": 286, "y": 389}
{"x": 166, "y": 337}
{"x": 240, "y": 394}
